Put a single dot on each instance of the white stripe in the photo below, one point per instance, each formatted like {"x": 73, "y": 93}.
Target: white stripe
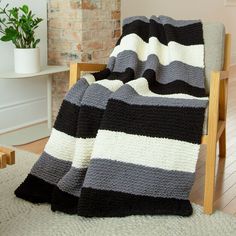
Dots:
{"x": 192, "y": 55}
{"x": 83, "y": 152}
{"x": 162, "y": 153}
{"x": 89, "y": 78}
{"x": 112, "y": 85}
{"x": 60, "y": 145}
{"x": 141, "y": 86}
{"x": 69, "y": 148}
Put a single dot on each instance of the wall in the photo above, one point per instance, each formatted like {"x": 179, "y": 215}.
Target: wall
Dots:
{"x": 80, "y": 30}
{"x": 210, "y": 10}
{"x": 23, "y": 101}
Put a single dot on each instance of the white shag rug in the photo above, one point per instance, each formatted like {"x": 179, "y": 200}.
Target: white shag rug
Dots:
{"x": 20, "y": 218}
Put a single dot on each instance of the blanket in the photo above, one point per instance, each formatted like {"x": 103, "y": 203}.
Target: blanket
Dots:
{"x": 126, "y": 139}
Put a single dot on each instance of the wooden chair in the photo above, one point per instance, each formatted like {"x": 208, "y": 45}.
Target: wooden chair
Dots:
{"x": 216, "y": 118}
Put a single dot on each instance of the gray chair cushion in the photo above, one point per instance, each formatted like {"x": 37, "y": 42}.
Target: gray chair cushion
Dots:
{"x": 214, "y": 37}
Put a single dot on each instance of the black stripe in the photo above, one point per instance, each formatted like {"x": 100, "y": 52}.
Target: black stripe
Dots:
{"x": 35, "y": 190}
{"x": 67, "y": 118}
{"x": 64, "y": 202}
{"x": 89, "y": 121}
{"x": 177, "y": 86}
{"x": 101, "y": 74}
{"x": 124, "y": 76}
{"x": 101, "y": 203}
{"x": 181, "y": 123}
{"x": 186, "y": 35}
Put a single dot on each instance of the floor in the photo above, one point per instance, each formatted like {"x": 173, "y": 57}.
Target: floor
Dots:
{"x": 35, "y": 147}
{"x": 225, "y": 196}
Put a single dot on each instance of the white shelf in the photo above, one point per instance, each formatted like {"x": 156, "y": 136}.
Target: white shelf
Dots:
{"x": 45, "y": 71}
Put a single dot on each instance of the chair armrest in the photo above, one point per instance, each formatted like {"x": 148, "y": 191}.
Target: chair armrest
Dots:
{"x": 76, "y": 68}
{"x": 89, "y": 66}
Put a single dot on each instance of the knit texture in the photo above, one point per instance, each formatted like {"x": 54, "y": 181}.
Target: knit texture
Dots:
{"x": 126, "y": 139}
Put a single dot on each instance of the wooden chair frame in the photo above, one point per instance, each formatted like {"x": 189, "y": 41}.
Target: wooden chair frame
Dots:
{"x": 216, "y": 119}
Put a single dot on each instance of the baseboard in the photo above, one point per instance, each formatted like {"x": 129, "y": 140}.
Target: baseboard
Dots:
{"x": 25, "y": 135}
{"x": 23, "y": 126}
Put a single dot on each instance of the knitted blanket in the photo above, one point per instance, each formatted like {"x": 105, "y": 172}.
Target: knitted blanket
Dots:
{"x": 126, "y": 139}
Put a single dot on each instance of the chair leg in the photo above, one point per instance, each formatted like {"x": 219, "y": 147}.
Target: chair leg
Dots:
{"x": 222, "y": 144}
{"x": 210, "y": 178}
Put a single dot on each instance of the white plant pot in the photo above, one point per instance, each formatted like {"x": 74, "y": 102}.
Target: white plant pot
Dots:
{"x": 27, "y": 60}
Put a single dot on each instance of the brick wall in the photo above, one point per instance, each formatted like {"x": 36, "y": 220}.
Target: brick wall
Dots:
{"x": 79, "y": 30}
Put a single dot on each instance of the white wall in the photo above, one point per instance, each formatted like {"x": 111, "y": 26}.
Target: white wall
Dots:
{"x": 23, "y": 101}
{"x": 207, "y": 10}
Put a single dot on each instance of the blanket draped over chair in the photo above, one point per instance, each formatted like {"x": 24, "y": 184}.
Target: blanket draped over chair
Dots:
{"x": 126, "y": 139}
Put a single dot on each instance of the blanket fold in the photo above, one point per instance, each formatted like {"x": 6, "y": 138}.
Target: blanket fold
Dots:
{"x": 126, "y": 139}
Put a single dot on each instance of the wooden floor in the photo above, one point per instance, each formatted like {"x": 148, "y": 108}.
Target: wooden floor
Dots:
{"x": 225, "y": 196}
{"x": 35, "y": 147}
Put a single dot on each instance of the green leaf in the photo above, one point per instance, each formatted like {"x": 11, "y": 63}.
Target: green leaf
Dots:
{"x": 19, "y": 26}
{"x": 6, "y": 38}
{"x": 10, "y": 33}
{"x": 25, "y": 9}
{"x": 14, "y": 12}
{"x": 10, "y": 30}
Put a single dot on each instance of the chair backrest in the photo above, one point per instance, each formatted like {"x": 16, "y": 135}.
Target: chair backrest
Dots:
{"x": 214, "y": 40}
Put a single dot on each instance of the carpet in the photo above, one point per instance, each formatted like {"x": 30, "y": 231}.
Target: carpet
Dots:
{"x": 21, "y": 218}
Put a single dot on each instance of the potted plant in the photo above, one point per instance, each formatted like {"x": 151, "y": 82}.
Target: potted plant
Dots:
{"x": 18, "y": 25}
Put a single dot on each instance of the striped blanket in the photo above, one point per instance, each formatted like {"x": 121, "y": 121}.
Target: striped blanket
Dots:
{"x": 126, "y": 139}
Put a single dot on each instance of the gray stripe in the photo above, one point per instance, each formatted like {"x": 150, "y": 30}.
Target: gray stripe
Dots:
{"x": 176, "y": 70}
{"x": 131, "y": 19}
{"x": 160, "y": 19}
{"x": 72, "y": 182}
{"x": 50, "y": 168}
{"x": 96, "y": 96}
{"x": 177, "y": 23}
{"x": 138, "y": 180}
{"x": 76, "y": 93}
{"x": 128, "y": 95}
